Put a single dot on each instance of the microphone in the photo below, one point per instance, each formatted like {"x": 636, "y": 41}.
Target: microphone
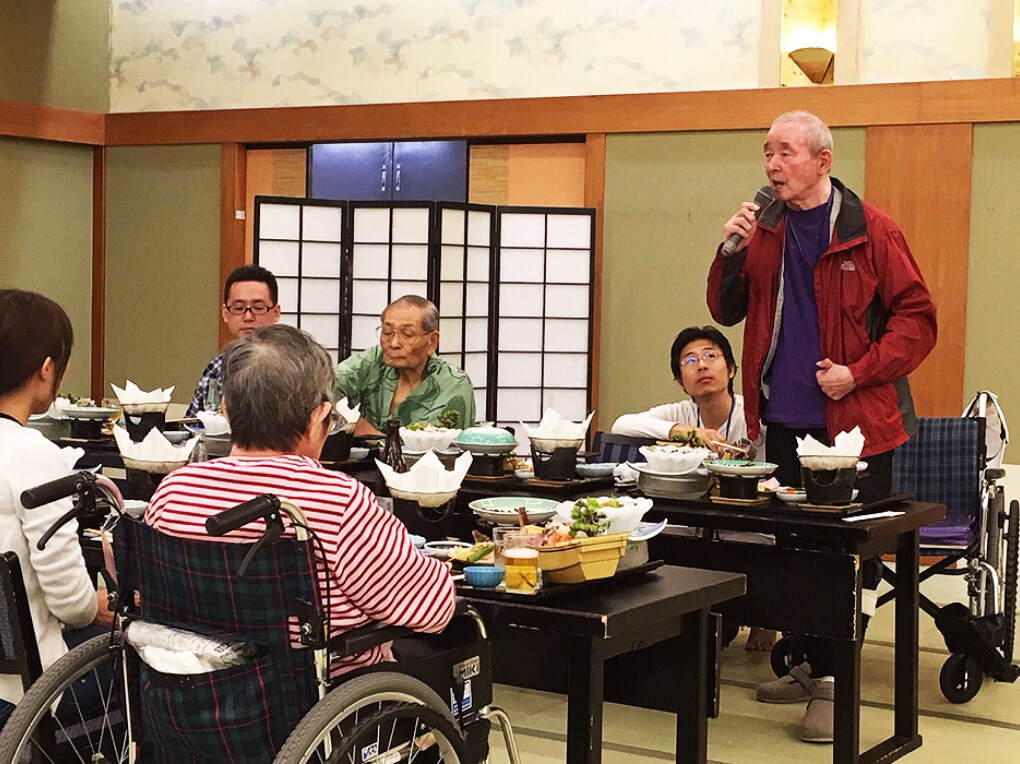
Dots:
{"x": 762, "y": 198}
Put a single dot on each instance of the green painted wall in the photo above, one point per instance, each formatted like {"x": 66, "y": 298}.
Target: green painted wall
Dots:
{"x": 162, "y": 265}
{"x": 56, "y": 53}
{"x": 46, "y": 235}
{"x": 992, "y": 354}
{"x": 667, "y": 197}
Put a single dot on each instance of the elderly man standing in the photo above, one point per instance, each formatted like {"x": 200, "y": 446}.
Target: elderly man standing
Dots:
{"x": 402, "y": 378}
{"x": 837, "y": 316}
{"x": 249, "y": 303}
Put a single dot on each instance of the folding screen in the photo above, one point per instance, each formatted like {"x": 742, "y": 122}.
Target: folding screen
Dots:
{"x": 544, "y": 286}
{"x": 513, "y": 286}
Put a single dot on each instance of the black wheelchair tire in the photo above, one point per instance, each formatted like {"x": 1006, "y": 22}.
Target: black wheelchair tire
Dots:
{"x": 369, "y": 695}
{"x": 374, "y": 727}
{"x": 1009, "y": 587}
{"x": 787, "y": 652}
{"x": 16, "y": 738}
{"x": 960, "y": 678}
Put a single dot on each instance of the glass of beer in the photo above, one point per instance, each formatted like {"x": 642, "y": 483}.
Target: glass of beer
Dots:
{"x": 520, "y": 561}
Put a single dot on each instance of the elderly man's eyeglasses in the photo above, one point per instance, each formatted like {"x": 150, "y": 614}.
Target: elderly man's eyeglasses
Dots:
{"x": 405, "y": 332}
{"x": 334, "y": 422}
{"x": 239, "y": 309}
{"x": 708, "y": 356}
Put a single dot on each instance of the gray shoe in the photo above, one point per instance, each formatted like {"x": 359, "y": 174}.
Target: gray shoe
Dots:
{"x": 795, "y": 687}
{"x": 816, "y": 726}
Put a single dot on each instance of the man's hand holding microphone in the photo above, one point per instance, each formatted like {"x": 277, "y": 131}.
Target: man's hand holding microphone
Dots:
{"x": 739, "y": 228}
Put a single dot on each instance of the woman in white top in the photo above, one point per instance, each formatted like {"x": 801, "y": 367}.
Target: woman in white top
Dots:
{"x": 35, "y": 345}
{"x": 702, "y": 363}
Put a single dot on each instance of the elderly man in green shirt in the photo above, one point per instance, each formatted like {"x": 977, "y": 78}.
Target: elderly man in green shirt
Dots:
{"x": 402, "y": 377}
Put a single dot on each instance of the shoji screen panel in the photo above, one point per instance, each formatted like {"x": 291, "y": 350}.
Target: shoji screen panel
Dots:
{"x": 390, "y": 259}
{"x": 465, "y": 293}
{"x": 301, "y": 242}
{"x": 544, "y": 304}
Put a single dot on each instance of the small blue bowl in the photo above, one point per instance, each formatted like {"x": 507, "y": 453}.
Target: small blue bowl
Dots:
{"x": 483, "y": 576}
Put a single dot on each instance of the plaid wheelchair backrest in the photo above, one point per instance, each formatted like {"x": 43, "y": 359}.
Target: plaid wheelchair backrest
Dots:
{"x": 19, "y": 653}
{"x": 944, "y": 463}
{"x": 241, "y": 714}
{"x": 619, "y": 448}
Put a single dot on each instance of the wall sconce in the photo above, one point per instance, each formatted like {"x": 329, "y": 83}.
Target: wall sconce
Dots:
{"x": 816, "y": 63}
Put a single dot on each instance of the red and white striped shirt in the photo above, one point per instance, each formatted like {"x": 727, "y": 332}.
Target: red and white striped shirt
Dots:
{"x": 375, "y": 573}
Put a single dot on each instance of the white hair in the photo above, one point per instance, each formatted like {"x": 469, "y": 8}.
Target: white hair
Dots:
{"x": 817, "y": 136}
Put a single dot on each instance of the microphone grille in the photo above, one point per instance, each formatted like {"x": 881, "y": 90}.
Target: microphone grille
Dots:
{"x": 764, "y": 196}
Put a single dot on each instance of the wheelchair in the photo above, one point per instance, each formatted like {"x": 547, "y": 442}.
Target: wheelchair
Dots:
{"x": 279, "y": 701}
{"x": 945, "y": 462}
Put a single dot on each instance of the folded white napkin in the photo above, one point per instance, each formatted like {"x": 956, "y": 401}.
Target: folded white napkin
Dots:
{"x": 555, "y": 427}
{"x": 154, "y": 448}
{"x": 350, "y": 415}
{"x": 56, "y": 409}
{"x": 132, "y": 394}
{"x": 844, "y": 452}
{"x": 214, "y": 424}
{"x": 71, "y": 455}
{"x": 427, "y": 476}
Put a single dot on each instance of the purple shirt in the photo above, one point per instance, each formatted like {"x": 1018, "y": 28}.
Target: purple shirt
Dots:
{"x": 795, "y": 399}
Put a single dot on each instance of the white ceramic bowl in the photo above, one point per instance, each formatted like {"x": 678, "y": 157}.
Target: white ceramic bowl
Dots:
{"x": 675, "y": 460}
{"x": 595, "y": 469}
{"x": 622, "y": 519}
{"x": 423, "y": 440}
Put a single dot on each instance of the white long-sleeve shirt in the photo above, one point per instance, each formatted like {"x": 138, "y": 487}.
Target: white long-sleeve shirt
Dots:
{"x": 58, "y": 585}
{"x": 659, "y": 420}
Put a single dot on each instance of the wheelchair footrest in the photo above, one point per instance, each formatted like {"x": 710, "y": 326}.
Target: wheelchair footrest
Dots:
{"x": 978, "y": 638}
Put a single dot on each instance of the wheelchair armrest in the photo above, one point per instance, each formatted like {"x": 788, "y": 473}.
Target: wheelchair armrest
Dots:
{"x": 365, "y": 638}
{"x": 374, "y": 634}
{"x": 995, "y": 473}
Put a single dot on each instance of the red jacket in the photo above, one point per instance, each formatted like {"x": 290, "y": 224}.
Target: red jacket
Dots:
{"x": 875, "y": 315}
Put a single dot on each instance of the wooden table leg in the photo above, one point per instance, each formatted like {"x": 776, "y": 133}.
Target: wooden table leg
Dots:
{"x": 586, "y": 676}
{"x": 906, "y": 636}
{"x": 692, "y": 705}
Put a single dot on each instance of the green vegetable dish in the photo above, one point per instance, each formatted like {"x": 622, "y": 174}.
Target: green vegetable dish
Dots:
{"x": 587, "y": 516}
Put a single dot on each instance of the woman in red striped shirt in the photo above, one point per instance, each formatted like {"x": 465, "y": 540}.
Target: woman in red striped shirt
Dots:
{"x": 277, "y": 394}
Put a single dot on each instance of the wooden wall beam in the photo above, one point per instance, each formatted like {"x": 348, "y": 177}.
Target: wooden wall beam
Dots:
{"x": 232, "y": 201}
{"x": 98, "y": 375}
{"x": 25, "y": 120}
{"x": 595, "y": 196}
{"x": 920, "y": 103}
{"x": 921, "y": 177}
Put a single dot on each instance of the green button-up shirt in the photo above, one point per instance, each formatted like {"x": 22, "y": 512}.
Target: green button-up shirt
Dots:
{"x": 364, "y": 378}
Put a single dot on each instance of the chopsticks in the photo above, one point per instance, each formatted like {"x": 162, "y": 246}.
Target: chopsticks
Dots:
{"x": 730, "y": 447}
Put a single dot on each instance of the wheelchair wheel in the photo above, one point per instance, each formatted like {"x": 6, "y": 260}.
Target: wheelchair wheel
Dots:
{"x": 960, "y": 678}
{"x": 1009, "y": 587}
{"x": 89, "y": 724}
{"x": 355, "y": 722}
{"x": 787, "y": 652}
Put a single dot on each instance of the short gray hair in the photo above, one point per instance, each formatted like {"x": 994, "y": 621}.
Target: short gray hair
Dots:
{"x": 429, "y": 318}
{"x": 272, "y": 381}
{"x": 817, "y": 136}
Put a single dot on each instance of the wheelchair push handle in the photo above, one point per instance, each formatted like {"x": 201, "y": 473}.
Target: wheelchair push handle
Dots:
{"x": 235, "y": 517}
{"x": 55, "y": 490}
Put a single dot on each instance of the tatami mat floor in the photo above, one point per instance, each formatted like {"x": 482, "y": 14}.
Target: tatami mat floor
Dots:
{"x": 987, "y": 729}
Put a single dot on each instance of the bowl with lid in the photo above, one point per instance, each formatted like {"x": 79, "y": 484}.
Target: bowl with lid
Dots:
{"x": 486, "y": 439}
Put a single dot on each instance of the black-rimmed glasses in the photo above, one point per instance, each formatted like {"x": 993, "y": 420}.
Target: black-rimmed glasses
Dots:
{"x": 258, "y": 309}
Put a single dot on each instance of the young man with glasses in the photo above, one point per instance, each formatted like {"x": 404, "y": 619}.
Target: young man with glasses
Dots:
{"x": 249, "y": 303}
{"x": 702, "y": 363}
{"x": 402, "y": 377}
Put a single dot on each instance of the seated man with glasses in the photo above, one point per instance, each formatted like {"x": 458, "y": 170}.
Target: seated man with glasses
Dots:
{"x": 249, "y": 303}
{"x": 702, "y": 363}
{"x": 402, "y": 377}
